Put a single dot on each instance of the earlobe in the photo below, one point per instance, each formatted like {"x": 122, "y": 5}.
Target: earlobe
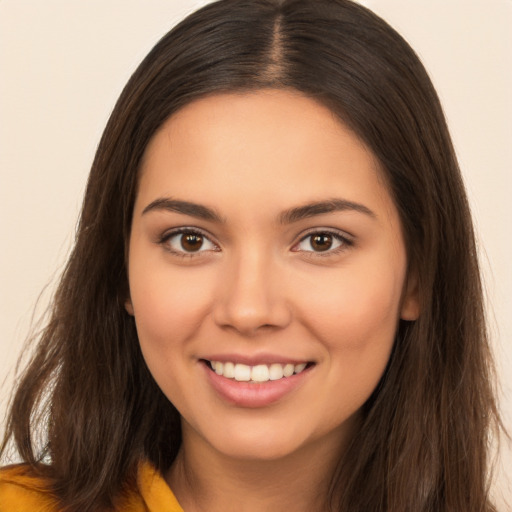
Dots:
{"x": 129, "y": 306}
{"x": 410, "y": 309}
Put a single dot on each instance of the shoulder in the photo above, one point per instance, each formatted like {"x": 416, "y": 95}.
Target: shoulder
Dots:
{"x": 21, "y": 490}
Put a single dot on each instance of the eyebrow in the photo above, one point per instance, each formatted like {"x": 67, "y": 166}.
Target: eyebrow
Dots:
{"x": 321, "y": 207}
{"x": 185, "y": 207}
{"x": 287, "y": 217}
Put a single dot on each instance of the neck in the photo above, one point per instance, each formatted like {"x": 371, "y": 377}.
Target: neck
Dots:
{"x": 205, "y": 480}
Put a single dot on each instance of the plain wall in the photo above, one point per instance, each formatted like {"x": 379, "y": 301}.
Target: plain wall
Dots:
{"x": 63, "y": 63}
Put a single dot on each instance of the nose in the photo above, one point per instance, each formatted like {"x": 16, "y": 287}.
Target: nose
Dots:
{"x": 252, "y": 296}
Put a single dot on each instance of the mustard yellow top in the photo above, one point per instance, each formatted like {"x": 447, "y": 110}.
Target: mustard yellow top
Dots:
{"x": 21, "y": 491}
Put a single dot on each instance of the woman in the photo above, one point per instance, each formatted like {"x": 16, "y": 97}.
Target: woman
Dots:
{"x": 274, "y": 299}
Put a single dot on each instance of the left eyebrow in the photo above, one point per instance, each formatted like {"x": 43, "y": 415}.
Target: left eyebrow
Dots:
{"x": 321, "y": 207}
{"x": 184, "y": 207}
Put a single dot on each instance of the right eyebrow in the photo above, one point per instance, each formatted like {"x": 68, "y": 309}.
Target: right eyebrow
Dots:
{"x": 321, "y": 207}
{"x": 185, "y": 207}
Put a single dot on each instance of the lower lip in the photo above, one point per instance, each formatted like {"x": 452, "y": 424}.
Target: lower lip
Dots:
{"x": 257, "y": 394}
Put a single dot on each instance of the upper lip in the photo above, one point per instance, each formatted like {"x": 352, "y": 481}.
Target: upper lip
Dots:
{"x": 253, "y": 360}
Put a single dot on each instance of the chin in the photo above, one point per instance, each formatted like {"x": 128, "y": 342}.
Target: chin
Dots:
{"x": 259, "y": 448}
{"x": 265, "y": 440}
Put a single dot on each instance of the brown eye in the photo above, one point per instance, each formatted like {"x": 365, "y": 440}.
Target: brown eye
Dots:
{"x": 191, "y": 242}
{"x": 188, "y": 242}
{"x": 321, "y": 242}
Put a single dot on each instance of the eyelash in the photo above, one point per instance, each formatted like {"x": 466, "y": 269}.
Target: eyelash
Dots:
{"x": 166, "y": 237}
{"x": 344, "y": 242}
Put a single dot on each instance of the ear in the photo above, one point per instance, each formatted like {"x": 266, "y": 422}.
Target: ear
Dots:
{"x": 129, "y": 306}
{"x": 410, "y": 308}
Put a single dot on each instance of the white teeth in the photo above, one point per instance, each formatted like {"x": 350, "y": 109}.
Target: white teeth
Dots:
{"x": 299, "y": 367}
{"x": 288, "y": 370}
{"x": 229, "y": 370}
{"x": 258, "y": 373}
{"x": 242, "y": 372}
{"x": 276, "y": 371}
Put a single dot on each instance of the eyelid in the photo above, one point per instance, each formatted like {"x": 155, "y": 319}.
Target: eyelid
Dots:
{"x": 346, "y": 240}
{"x": 167, "y": 235}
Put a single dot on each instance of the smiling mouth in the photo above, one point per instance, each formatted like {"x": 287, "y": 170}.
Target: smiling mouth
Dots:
{"x": 258, "y": 373}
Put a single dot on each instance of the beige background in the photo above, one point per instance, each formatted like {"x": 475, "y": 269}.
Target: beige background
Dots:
{"x": 64, "y": 62}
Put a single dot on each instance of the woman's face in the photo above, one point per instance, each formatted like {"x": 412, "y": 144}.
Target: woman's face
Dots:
{"x": 267, "y": 272}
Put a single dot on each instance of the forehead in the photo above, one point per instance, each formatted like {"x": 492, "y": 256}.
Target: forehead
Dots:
{"x": 276, "y": 144}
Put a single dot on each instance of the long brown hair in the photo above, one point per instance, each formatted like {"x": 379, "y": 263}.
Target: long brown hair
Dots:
{"x": 424, "y": 440}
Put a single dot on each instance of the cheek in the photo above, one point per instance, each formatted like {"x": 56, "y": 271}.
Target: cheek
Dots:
{"x": 355, "y": 315}
{"x": 168, "y": 314}
{"x": 351, "y": 305}
{"x": 168, "y": 306}
{"x": 356, "y": 324}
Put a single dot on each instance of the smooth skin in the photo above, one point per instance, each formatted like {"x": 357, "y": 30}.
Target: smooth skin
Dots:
{"x": 225, "y": 259}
